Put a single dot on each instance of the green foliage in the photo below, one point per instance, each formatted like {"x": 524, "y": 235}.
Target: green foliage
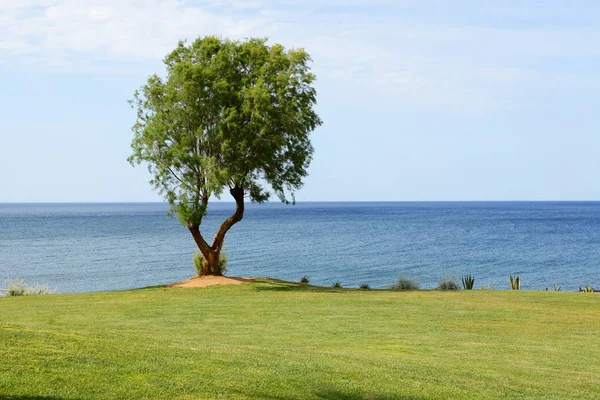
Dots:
{"x": 468, "y": 282}
{"x": 305, "y": 279}
{"x": 515, "y": 282}
{"x": 199, "y": 258}
{"x": 556, "y": 288}
{"x": 337, "y": 285}
{"x": 228, "y": 114}
{"x": 448, "y": 284}
{"x": 18, "y": 287}
{"x": 403, "y": 283}
{"x": 587, "y": 289}
{"x": 364, "y": 286}
{"x": 198, "y": 263}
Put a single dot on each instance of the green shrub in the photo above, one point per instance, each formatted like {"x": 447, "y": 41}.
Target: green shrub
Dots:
{"x": 403, "y": 283}
{"x": 198, "y": 258}
{"x": 468, "y": 282}
{"x": 364, "y": 286}
{"x": 448, "y": 284}
{"x": 305, "y": 280}
{"x": 556, "y": 288}
{"x": 587, "y": 289}
{"x": 18, "y": 287}
{"x": 515, "y": 282}
{"x": 336, "y": 285}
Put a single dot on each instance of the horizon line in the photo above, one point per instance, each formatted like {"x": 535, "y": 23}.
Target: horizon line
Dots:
{"x": 310, "y": 201}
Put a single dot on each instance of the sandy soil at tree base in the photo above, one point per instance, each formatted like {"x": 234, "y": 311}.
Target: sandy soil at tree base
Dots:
{"x": 205, "y": 281}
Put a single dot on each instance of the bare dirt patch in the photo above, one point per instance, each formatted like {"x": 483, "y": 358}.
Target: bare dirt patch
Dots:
{"x": 205, "y": 281}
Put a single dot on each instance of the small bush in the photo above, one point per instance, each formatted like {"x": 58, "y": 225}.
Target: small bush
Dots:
{"x": 36, "y": 289}
{"x": 556, "y": 288}
{"x": 336, "y": 285}
{"x": 305, "y": 280}
{"x": 448, "y": 284}
{"x": 223, "y": 262}
{"x": 15, "y": 287}
{"x": 18, "y": 287}
{"x": 198, "y": 258}
{"x": 468, "y": 282}
{"x": 364, "y": 286}
{"x": 587, "y": 289}
{"x": 403, "y": 283}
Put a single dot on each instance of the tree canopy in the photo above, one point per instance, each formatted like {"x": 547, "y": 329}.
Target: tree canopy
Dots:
{"x": 229, "y": 115}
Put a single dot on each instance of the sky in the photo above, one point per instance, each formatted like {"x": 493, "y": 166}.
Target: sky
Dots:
{"x": 422, "y": 100}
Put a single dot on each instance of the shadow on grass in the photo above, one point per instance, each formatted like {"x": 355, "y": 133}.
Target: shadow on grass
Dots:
{"x": 6, "y": 397}
{"x": 323, "y": 395}
{"x": 339, "y": 395}
{"x": 332, "y": 394}
{"x": 283, "y": 286}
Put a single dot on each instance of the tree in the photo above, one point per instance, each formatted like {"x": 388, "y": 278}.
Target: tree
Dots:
{"x": 229, "y": 115}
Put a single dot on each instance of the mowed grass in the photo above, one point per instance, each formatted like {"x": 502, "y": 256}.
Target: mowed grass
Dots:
{"x": 273, "y": 340}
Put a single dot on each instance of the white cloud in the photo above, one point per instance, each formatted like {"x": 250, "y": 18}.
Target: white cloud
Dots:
{"x": 405, "y": 57}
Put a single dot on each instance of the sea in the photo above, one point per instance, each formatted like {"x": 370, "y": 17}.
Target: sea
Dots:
{"x": 102, "y": 247}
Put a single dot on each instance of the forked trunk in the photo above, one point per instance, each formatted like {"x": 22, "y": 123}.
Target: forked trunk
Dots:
{"x": 211, "y": 264}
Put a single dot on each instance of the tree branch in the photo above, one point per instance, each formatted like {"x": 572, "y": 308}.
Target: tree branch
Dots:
{"x": 238, "y": 194}
{"x": 200, "y": 242}
{"x": 174, "y": 175}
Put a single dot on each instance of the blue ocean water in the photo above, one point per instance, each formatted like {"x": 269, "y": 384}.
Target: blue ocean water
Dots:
{"x": 97, "y": 247}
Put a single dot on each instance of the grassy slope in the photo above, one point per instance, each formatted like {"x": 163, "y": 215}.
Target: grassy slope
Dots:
{"x": 278, "y": 341}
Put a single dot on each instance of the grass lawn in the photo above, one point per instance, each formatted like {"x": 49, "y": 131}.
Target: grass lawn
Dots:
{"x": 281, "y": 341}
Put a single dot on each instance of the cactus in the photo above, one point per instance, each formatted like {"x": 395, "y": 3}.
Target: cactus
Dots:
{"x": 468, "y": 282}
{"x": 515, "y": 282}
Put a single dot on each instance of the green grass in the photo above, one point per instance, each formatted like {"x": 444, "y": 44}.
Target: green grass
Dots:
{"x": 290, "y": 341}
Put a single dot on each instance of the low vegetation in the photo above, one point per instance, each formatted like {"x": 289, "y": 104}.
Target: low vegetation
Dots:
{"x": 337, "y": 285}
{"x": 364, "y": 286}
{"x": 403, "y": 283}
{"x": 448, "y": 284}
{"x": 514, "y": 282}
{"x": 19, "y": 287}
{"x": 281, "y": 341}
{"x": 305, "y": 279}
{"x": 468, "y": 282}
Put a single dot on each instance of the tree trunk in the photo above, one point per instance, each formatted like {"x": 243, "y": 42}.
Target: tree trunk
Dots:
{"x": 211, "y": 254}
{"x": 211, "y": 265}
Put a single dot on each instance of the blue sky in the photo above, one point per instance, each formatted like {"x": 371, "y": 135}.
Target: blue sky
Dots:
{"x": 421, "y": 100}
